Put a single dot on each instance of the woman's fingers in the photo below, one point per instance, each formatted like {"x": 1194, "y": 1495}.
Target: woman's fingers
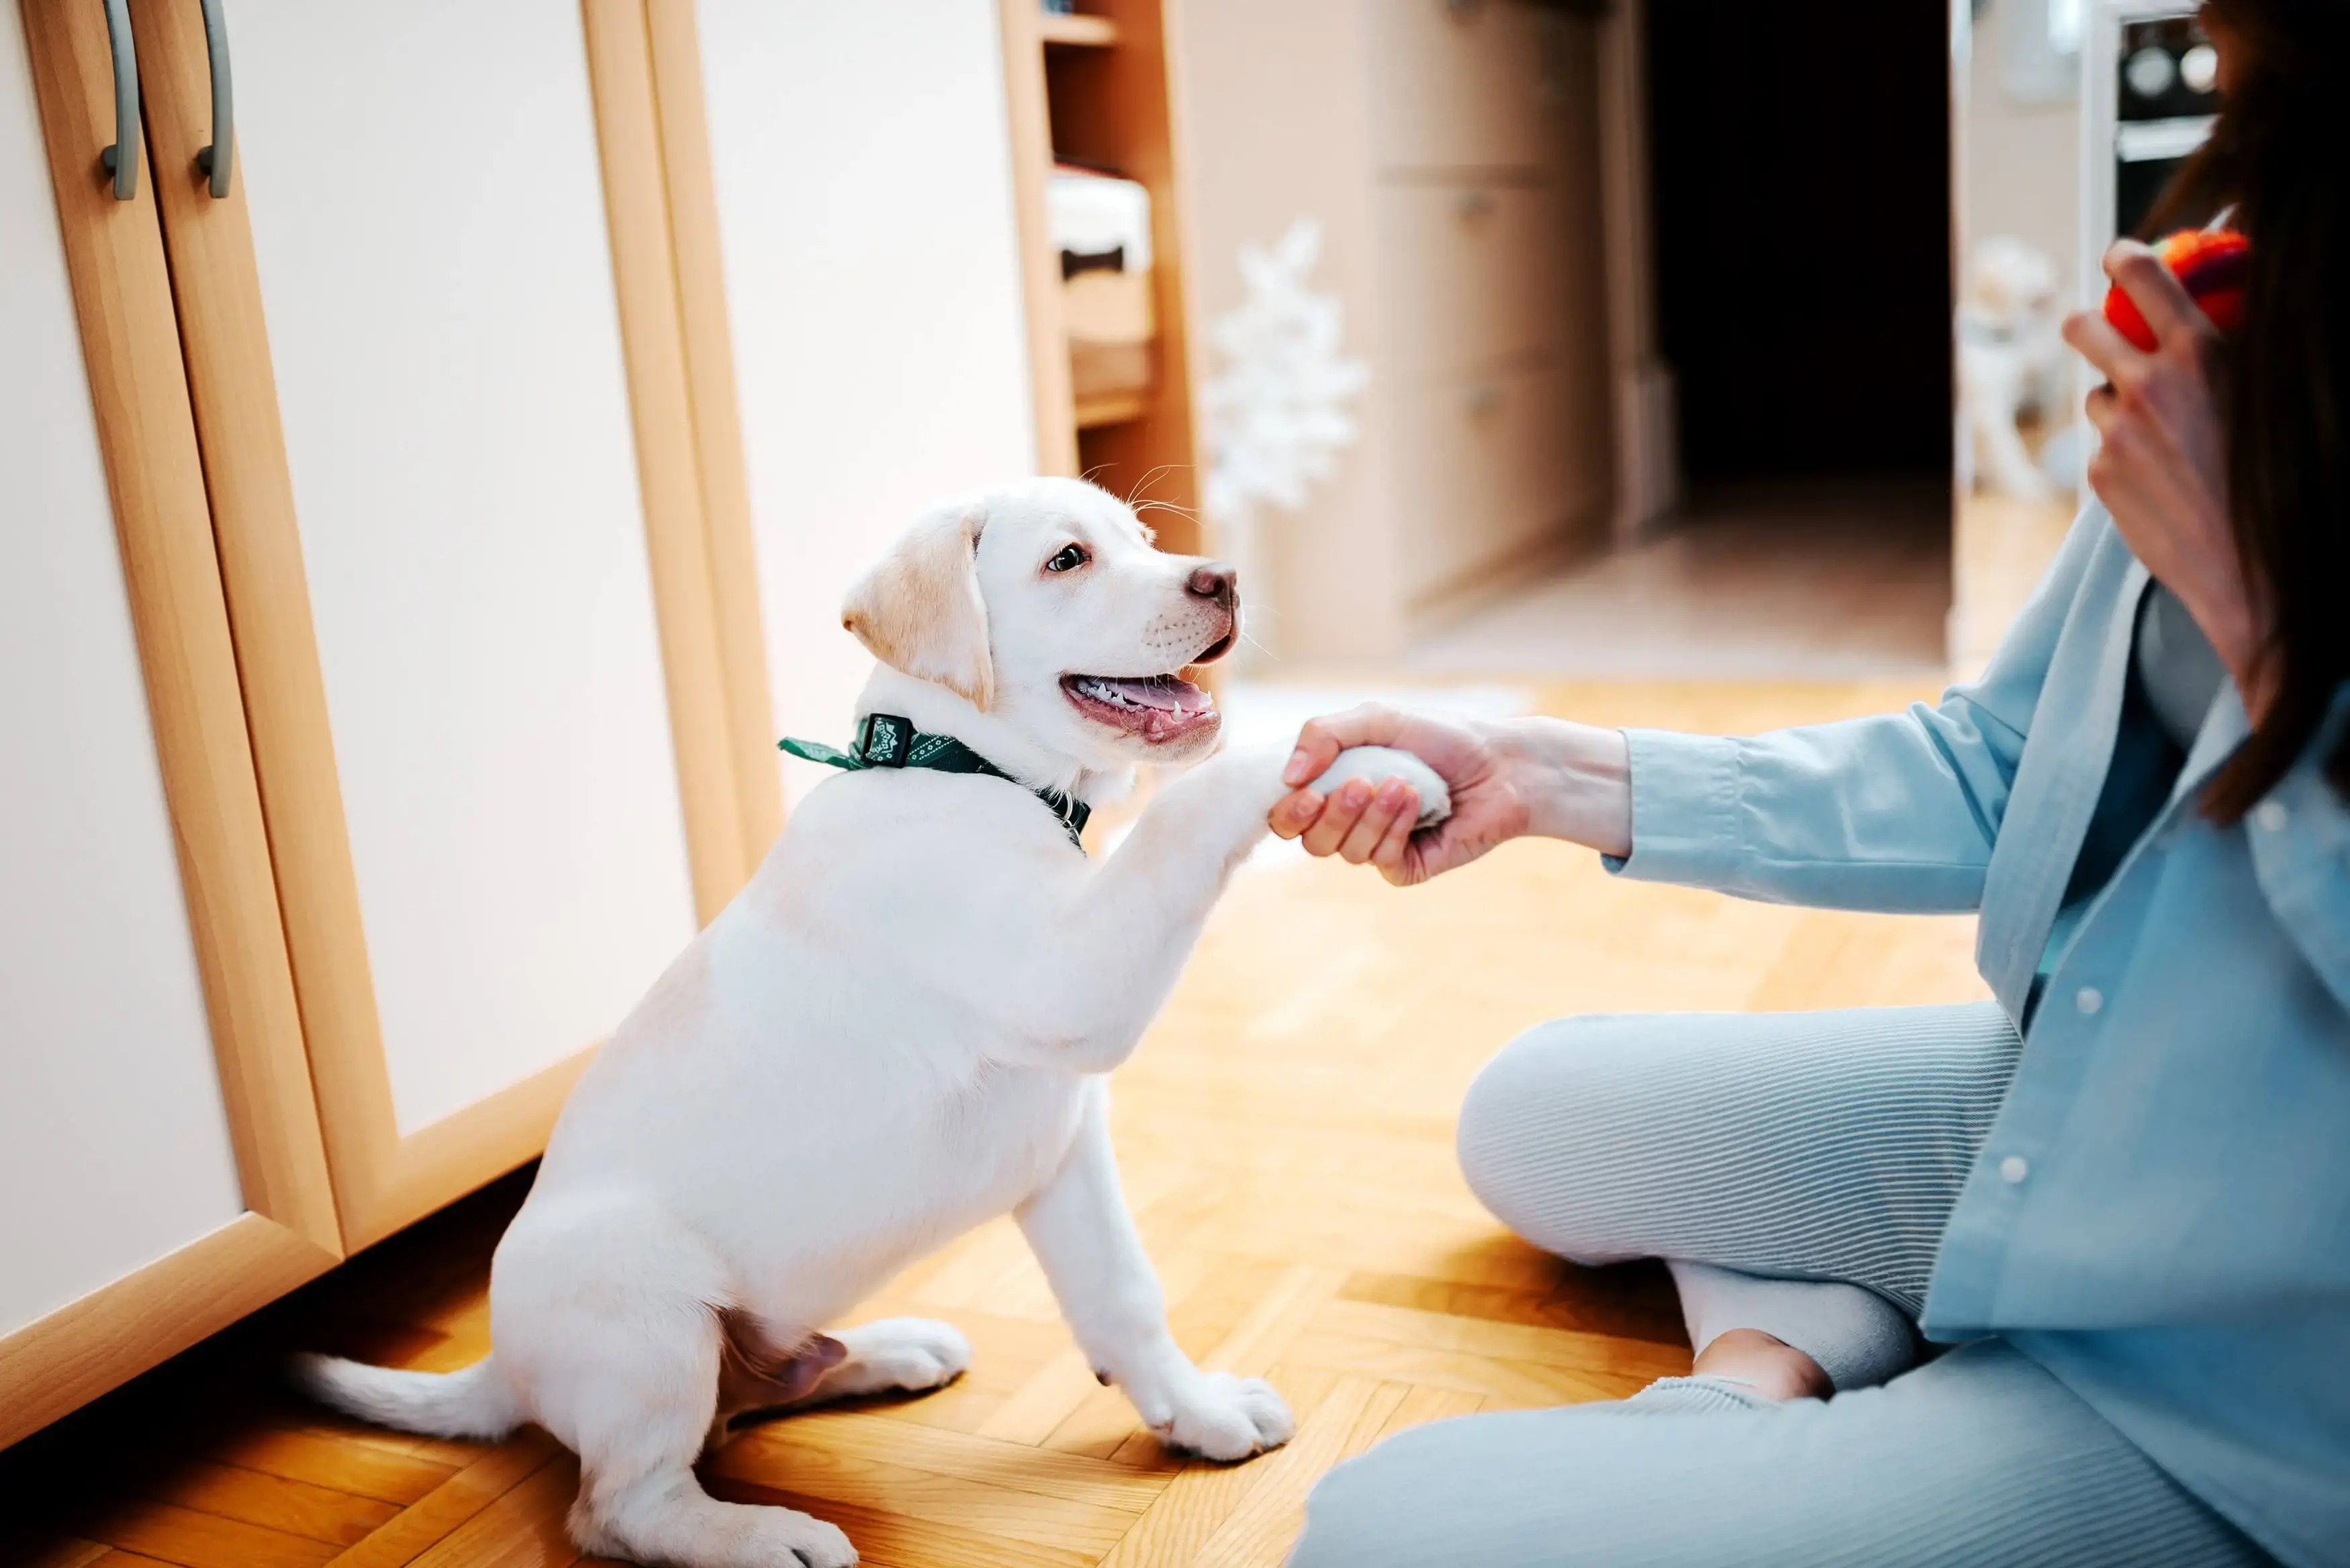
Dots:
{"x": 1320, "y": 741}
{"x": 1339, "y": 815}
{"x": 1393, "y": 854}
{"x": 2159, "y": 296}
{"x": 2094, "y": 339}
{"x": 1294, "y": 812}
{"x": 1357, "y": 823}
{"x": 1392, "y": 802}
{"x": 2102, "y": 409}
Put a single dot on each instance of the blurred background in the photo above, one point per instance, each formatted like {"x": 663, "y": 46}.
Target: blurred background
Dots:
{"x": 1497, "y": 341}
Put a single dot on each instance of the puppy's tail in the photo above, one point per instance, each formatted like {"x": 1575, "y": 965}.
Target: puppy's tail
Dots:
{"x": 474, "y": 1403}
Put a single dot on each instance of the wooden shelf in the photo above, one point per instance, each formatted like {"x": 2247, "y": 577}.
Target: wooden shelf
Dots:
{"x": 1094, "y": 89}
{"x": 1110, "y": 409}
{"x": 1079, "y": 32}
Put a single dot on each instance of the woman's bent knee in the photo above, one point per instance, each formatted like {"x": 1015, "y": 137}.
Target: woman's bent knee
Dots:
{"x": 1533, "y": 1121}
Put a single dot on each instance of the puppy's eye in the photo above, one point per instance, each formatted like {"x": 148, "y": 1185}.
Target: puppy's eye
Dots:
{"x": 1071, "y": 557}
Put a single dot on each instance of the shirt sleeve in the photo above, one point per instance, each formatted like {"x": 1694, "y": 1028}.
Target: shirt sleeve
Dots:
{"x": 1896, "y": 812}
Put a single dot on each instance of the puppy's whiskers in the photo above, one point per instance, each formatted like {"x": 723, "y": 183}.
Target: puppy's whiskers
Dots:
{"x": 1141, "y": 486}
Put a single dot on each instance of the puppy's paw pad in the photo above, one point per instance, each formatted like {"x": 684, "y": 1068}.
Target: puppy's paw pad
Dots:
{"x": 1228, "y": 1417}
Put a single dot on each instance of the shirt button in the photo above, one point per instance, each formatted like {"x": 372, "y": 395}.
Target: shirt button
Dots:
{"x": 2088, "y": 999}
{"x": 2270, "y": 816}
{"x": 2015, "y": 1169}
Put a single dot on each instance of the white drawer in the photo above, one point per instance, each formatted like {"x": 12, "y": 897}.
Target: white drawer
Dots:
{"x": 1474, "y": 274}
{"x": 1465, "y": 83}
{"x": 1489, "y": 469}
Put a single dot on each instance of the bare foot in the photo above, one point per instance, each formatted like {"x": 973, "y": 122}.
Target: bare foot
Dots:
{"x": 1776, "y": 1370}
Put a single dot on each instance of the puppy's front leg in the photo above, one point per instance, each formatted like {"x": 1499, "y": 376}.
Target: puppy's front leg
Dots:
{"x": 1123, "y": 938}
{"x": 1082, "y": 1234}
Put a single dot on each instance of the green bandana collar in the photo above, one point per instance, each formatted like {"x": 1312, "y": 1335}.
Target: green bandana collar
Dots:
{"x": 887, "y": 740}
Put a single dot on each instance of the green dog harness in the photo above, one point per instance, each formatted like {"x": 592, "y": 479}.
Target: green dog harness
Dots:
{"x": 887, "y": 740}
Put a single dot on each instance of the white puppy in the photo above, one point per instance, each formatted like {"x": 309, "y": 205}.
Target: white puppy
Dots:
{"x": 899, "y": 1029}
{"x": 2012, "y": 361}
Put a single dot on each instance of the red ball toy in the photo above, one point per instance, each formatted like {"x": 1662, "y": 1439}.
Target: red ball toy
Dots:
{"x": 2210, "y": 264}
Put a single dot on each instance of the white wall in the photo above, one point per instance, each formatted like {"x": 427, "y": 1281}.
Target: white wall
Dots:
{"x": 2022, "y": 159}
{"x": 864, "y": 175}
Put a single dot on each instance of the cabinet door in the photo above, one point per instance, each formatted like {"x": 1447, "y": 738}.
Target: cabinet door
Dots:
{"x": 442, "y": 528}
{"x": 159, "y": 1163}
{"x": 872, "y": 271}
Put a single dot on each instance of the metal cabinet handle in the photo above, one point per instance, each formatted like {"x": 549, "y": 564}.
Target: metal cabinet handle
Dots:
{"x": 216, "y": 159}
{"x": 122, "y": 159}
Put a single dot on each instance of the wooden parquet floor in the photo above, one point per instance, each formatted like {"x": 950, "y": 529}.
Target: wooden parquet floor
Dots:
{"x": 1285, "y": 1134}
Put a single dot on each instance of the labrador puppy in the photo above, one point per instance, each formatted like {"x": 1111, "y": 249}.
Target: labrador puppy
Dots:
{"x": 899, "y": 1029}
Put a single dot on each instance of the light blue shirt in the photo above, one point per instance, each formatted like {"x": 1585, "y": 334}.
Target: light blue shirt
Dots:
{"x": 2162, "y": 1214}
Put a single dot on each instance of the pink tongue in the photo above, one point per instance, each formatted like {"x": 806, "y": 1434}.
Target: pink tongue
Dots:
{"x": 1167, "y": 696}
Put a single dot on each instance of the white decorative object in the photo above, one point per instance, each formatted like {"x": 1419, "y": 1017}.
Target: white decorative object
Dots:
{"x": 1277, "y": 412}
{"x": 1094, "y": 214}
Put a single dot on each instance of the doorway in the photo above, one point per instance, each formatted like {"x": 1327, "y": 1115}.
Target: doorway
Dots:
{"x": 1799, "y": 204}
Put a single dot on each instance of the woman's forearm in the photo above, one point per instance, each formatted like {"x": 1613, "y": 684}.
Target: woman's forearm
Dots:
{"x": 1576, "y": 780}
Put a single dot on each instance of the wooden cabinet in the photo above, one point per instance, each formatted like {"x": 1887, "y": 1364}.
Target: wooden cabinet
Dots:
{"x": 1469, "y": 85}
{"x": 381, "y": 726}
{"x": 159, "y": 1144}
{"x": 440, "y": 547}
{"x": 1449, "y": 151}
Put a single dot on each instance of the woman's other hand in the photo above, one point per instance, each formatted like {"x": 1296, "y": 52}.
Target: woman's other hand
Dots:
{"x": 1542, "y": 777}
{"x": 2161, "y": 466}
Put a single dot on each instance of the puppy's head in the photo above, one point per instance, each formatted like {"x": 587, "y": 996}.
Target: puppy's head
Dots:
{"x": 1046, "y": 607}
{"x": 2008, "y": 281}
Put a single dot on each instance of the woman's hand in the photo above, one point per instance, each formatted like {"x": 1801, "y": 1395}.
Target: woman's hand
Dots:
{"x": 1542, "y": 777}
{"x": 2162, "y": 467}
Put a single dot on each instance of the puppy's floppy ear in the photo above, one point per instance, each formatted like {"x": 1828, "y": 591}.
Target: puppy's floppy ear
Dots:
{"x": 919, "y": 610}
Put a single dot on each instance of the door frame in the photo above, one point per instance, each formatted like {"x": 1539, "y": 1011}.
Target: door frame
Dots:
{"x": 713, "y": 667}
{"x": 155, "y": 477}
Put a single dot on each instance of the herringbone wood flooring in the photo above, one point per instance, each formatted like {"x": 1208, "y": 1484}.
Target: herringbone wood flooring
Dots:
{"x": 1286, "y": 1133}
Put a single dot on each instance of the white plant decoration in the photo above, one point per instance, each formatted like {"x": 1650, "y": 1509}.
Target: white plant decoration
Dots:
{"x": 1277, "y": 412}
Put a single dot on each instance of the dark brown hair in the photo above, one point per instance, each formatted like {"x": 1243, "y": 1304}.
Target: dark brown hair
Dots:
{"x": 2280, "y": 154}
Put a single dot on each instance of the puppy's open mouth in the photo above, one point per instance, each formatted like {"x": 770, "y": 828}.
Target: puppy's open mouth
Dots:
{"x": 1156, "y": 709}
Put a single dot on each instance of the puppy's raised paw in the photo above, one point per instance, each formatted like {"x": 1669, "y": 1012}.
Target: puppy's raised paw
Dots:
{"x": 1376, "y": 763}
{"x": 1221, "y": 1416}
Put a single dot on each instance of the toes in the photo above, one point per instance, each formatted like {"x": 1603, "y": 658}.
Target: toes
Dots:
{"x": 908, "y": 1354}
{"x": 930, "y": 1351}
{"x": 929, "y": 1371}
{"x": 1234, "y": 1418}
{"x": 950, "y": 1350}
{"x": 821, "y": 1545}
{"x": 1267, "y": 1413}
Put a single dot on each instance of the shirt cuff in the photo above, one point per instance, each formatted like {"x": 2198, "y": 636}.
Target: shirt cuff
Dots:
{"x": 1684, "y": 810}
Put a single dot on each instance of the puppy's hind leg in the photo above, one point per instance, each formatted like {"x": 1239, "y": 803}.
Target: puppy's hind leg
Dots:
{"x": 626, "y": 1365}
{"x": 897, "y": 1354}
{"x": 892, "y": 1355}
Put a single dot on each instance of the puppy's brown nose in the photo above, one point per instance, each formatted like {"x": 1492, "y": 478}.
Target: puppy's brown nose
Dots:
{"x": 1214, "y": 581}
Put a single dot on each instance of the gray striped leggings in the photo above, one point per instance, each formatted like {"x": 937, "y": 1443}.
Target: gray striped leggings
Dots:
{"x": 1798, "y": 1146}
